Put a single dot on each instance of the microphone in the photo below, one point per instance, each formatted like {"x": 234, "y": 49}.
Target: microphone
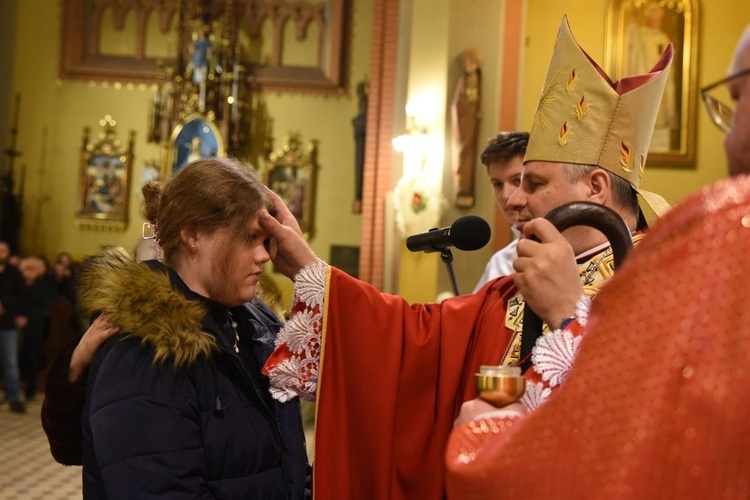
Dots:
{"x": 467, "y": 233}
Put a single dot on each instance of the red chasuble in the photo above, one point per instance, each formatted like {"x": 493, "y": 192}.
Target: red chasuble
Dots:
{"x": 657, "y": 404}
{"x": 391, "y": 382}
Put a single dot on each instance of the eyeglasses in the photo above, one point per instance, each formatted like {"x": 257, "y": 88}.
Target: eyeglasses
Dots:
{"x": 721, "y": 114}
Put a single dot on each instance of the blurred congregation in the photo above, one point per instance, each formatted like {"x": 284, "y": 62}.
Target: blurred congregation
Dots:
{"x": 39, "y": 303}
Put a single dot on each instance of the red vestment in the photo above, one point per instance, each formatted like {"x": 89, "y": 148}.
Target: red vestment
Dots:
{"x": 392, "y": 380}
{"x": 657, "y": 404}
{"x": 392, "y": 377}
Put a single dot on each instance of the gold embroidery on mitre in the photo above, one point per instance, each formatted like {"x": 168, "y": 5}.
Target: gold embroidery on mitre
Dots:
{"x": 545, "y": 100}
{"x": 570, "y": 85}
{"x": 607, "y": 111}
{"x": 582, "y": 108}
{"x": 626, "y": 161}
{"x": 564, "y": 134}
{"x": 643, "y": 164}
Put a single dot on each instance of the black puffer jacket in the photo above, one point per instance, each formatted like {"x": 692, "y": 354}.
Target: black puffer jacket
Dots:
{"x": 172, "y": 411}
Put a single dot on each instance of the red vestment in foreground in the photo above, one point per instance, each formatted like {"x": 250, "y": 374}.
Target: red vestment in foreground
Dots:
{"x": 657, "y": 404}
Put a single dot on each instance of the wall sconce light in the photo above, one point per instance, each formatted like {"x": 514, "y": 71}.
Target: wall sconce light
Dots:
{"x": 414, "y": 143}
{"x": 416, "y": 197}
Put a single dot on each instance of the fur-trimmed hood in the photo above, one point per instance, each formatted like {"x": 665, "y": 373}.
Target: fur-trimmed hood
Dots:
{"x": 143, "y": 302}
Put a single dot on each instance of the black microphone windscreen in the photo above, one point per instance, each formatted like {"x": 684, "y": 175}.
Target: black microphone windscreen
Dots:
{"x": 470, "y": 233}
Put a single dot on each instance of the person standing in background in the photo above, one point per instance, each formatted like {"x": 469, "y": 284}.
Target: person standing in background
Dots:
{"x": 503, "y": 158}
{"x": 12, "y": 290}
{"x": 40, "y": 291}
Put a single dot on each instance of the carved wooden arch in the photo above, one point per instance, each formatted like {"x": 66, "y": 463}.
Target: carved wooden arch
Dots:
{"x": 80, "y": 57}
{"x": 303, "y": 14}
{"x": 120, "y": 10}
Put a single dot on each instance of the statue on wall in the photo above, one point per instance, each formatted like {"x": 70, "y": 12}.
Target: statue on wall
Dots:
{"x": 359, "y": 122}
{"x": 466, "y": 115}
{"x": 201, "y": 55}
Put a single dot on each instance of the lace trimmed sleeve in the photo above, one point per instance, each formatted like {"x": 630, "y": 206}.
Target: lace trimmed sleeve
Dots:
{"x": 553, "y": 355}
{"x": 293, "y": 366}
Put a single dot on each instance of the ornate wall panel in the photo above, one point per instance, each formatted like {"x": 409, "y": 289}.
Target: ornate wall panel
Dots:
{"x": 324, "y": 26}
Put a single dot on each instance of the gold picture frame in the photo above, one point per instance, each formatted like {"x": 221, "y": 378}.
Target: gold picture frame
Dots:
{"x": 197, "y": 138}
{"x": 104, "y": 180}
{"x": 291, "y": 173}
{"x": 638, "y": 31}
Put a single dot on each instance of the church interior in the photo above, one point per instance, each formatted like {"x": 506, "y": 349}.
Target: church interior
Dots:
{"x": 343, "y": 107}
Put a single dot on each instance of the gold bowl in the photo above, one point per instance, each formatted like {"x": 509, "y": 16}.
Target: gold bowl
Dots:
{"x": 499, "y": 385}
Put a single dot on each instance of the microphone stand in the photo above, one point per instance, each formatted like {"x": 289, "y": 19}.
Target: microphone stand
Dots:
{"x": 447, "y": 257}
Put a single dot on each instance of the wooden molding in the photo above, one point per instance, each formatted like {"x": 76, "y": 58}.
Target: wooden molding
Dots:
{"x": 81, "y": 59}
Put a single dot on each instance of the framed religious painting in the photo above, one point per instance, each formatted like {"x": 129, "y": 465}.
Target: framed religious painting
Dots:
{"x": 104, "y": 180}
{"x": 638, "y": 31}
{"x": 195, "y": 139}
{"x": 291, "y": 173}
